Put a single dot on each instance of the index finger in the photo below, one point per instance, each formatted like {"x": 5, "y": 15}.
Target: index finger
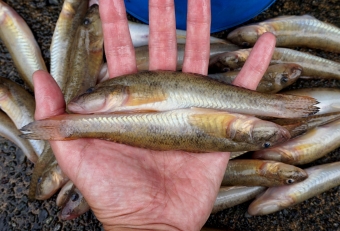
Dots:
{"x": 119, "y": 50}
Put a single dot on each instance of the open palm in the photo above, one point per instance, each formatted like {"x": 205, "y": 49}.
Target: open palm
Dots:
{"x": 129, "y": 187}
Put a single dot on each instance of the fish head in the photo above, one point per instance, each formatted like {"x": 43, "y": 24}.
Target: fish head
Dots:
{"x": 93, "y": 25}
{"x": 287, "y": 74}
{"x": 99, "y": 99}
{"x": 65, "y": 193}
{"x": 267, "y": 134}
{"x": 51, "y": 180}
{"x": 247, "y": 35}
{"x": 75, "y": 206}
{"x": 272, "y": 200}
{"x": 291, "y": 174}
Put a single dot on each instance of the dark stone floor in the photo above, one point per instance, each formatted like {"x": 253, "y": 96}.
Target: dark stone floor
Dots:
{"x": 17, "y": 213}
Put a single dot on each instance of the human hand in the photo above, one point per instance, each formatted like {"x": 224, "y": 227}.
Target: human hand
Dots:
{"x": 133, "y": 188}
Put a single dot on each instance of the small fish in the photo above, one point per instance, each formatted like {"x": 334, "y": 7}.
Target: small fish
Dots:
{"x": 20, "y": 43}
{"x": 192, "y": 130}
{"x": 320, "y": 179}
{"x": 10, "y": 132}
{"x": 52, "y": 179}
{"x": 274, "y": 80}
{"x": 147, "y": 91}
{"x": 328, "y": 98}
{"x": 140, "y": 35}
{"x": 261, "y": 173}
{"x": 291, "y": 31}
{"x": 71, "y": 16}
{"x": 312, "y": 66}
{"x": 65, "y": 193}
{"x": 19, "y": 105}
{"x": 228, "y": 197}
{"x": 306, "y": 148}
{"x": 75, "y": 206}
{"x": 86, "y": 56}
{"x": 142, "y": 54}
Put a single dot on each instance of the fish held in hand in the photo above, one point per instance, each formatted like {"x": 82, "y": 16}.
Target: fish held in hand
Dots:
{"x": 168, "y": 90}
{"x": 20, "y": 43}
{"x": 320, "y": 179}
{"x": 261, "y": 173}
{"x": 192, "y": 130}
{"x": 291, "y": 31}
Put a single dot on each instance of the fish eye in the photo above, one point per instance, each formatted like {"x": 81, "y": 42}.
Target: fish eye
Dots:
{"x": 290, "y": 181}
{"x": 90, "y": 90}
{"x": 39, "y": 180}
{"x": 245, "y": 44}
{"x": 266, "y": 145}
{"x": 225, "y": 69}
{"x": 75, "y": 196}
{"x": 86, "y": 21}
{"x": 284, "y": 79}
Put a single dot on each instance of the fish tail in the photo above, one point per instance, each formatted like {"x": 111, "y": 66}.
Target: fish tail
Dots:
{"x": 43, "y": 130}
{"x": 299, "y": 106}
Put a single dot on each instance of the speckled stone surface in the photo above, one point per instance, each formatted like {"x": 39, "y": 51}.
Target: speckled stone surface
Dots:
{"x": 17, "y": 213}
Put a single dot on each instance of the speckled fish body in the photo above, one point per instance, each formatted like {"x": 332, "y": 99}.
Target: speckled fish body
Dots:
{"x": 65, "y": 193}
{"x": 306, "y": 148}
{"x": 19, "y": 105}
{"x": 312, "y": 66}
{"x": 140, "y": 35}
{"x": 75, "y": 206}
{"x": 87, "y": 55}
{"x": 142, "y": 54}
{"x": 71, "y": 16}
{"x": 299, "y": 126}
{"x": 328, "y": 98}
{"x": 47, "y": 157}
{"x": 320, "y": 179}
{"x": 274, "y": 80}
{"x": 148, "y": 91}
{"x": 9, "y": 131}
{"x": 20, "y": 43}
{"x": 291, "y": 31}
{"x": 51, "y": 180}
{"x": 228, "y": 197}
{"x": 193, "y": 130}
{"x": 261, "y": 173}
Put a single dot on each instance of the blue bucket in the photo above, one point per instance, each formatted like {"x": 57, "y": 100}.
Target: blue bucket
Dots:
{"x": 225, "y": 13}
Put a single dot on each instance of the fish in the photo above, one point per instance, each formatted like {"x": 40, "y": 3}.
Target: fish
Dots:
{"x": 21, "y": 44}
{"x": 45, "y": 159}
{"x": 140, "y": 35}
{"x": 312, "y": 66}
{"x": 75, "y": 206}
{"x": 328, "y": 98}
{"x": 70, "y": 17}
{"x": 244, "y": 172}
{"x": 192, "y": 130}
{"x": 142, "y": 54}
{"x": 65, "y": 193}
{"x": 320, "y": 179}
{"x": 87, "y": 55}
{"x": 306, "y": 148}
{"x": 9, "y": 131}
{"x": 298, "y": 127}
{"x": 276, "y": 78}
{"x": 51, "y": 180}
{"x": 291, "y": 31}
{"x": 228, "y": 197}
{"x": 148, "y": 91}
{"x": 19, "y": 105}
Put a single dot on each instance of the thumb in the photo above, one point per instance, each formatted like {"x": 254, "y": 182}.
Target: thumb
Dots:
{"x": 48, "y": 97}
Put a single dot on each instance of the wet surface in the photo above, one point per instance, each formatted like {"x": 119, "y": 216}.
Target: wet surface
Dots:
{"x": 17, "y": 213}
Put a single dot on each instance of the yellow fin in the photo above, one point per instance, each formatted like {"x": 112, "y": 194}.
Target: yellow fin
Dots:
{"x": 139, "y": 97}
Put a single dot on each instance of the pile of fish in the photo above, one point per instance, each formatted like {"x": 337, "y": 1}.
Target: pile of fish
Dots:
{"x": 188, "y": 112}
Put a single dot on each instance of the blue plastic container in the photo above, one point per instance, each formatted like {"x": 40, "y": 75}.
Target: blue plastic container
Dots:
{"x": 225, "y": 13}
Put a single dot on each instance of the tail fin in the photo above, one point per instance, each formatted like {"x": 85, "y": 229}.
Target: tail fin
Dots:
{"x": 299, "y": 106}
